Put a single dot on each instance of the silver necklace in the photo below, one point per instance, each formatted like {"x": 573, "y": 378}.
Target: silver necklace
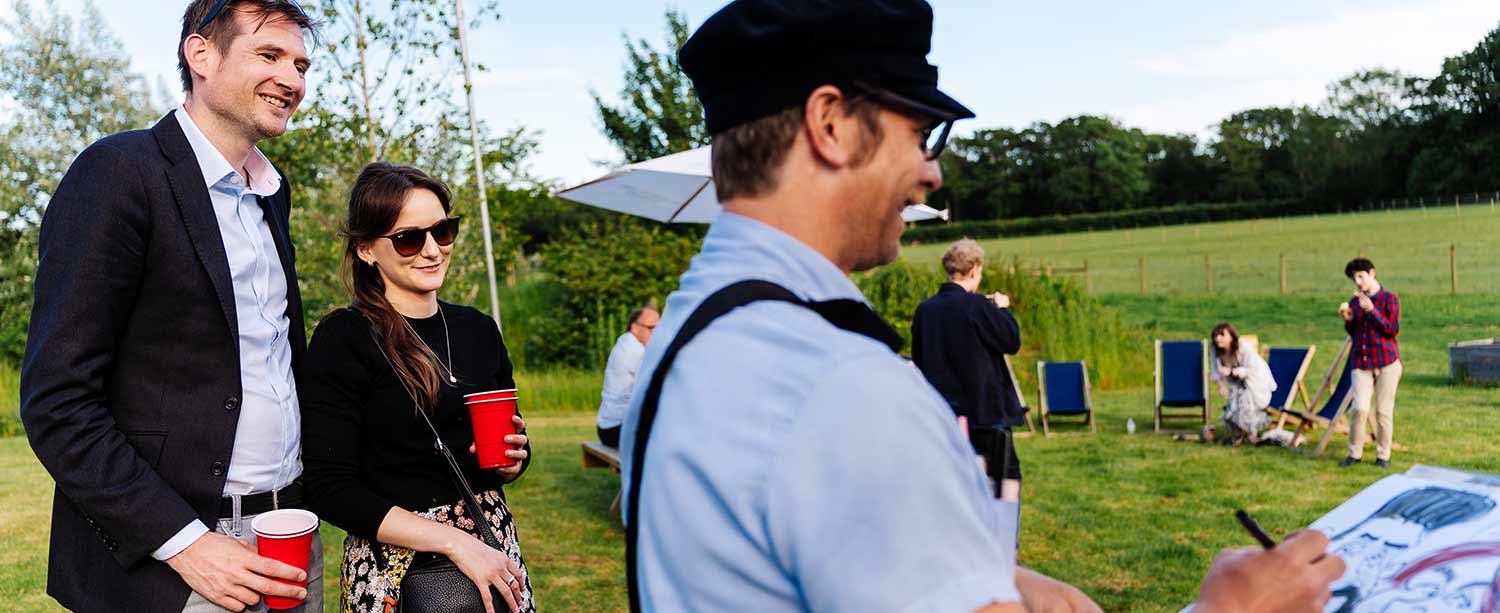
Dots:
{"x": 447, "y": 342}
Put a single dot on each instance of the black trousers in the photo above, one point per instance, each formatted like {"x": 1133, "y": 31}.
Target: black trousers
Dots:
{"x": 996, "y": 445}
{"x": 609, "y": 436}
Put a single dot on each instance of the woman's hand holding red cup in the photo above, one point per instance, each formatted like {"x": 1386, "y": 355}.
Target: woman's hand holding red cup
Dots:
{"x": 518, "y": 454}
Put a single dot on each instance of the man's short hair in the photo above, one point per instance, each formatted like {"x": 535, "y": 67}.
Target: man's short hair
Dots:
{"x": 1358, "y": 265}
{"x": 747, "y": 156}
{"x": 635, "y": 314}
{"x": 962, "y": 256}
{"x": 224, "y": 28}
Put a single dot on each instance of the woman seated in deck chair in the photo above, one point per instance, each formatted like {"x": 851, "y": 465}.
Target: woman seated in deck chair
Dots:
{"x": 1245, "y": 381}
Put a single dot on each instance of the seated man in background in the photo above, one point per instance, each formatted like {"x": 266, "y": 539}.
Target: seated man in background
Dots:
{"x": 959, "y": 340}
{"x": 619, "y": 372}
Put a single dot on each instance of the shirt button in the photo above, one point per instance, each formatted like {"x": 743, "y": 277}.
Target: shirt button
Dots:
{"x": 235, "y": 179}
{"x": 217, "y": 469}
{"x": 231, "y": 403}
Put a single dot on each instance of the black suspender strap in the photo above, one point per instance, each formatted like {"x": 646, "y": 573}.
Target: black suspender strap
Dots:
{"x": 846, "y": 314}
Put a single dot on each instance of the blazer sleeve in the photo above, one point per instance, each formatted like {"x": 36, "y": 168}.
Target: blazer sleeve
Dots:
{"x": 997, "y": 328}
{"x": 92, "y": 249}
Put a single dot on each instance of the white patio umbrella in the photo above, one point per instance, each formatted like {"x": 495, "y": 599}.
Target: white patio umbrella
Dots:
{"x": 676, "y": 188}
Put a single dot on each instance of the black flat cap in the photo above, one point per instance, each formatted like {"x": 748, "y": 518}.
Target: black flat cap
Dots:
{"x": 755, "y": 58}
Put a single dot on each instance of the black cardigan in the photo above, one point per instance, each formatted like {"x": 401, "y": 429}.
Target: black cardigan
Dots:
{"x": 364, "y": 448}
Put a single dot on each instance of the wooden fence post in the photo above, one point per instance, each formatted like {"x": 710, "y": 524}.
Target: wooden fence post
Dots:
{"x": 1143, "y": 274}
{"x": 1455, "y": 206}
{"x": 1208, "y": 273}
{"x": 1453, "y": 265}
{"x": 1283, "y": 274}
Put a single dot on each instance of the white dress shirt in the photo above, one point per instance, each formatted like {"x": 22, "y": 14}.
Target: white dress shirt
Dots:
{"x": 267, "y": 443}
{"x": 619, "y": 379}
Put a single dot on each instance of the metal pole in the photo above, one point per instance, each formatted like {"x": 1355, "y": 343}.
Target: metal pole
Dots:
{"x": 484, "y": 205}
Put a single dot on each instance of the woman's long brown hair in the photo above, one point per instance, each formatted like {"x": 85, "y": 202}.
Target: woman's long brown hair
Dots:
{"x": 1229, "y": 357}
{"x": 375, "y": 203}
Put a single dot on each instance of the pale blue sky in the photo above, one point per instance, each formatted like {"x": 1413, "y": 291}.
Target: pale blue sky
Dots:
{"x": 1161, "y": 65}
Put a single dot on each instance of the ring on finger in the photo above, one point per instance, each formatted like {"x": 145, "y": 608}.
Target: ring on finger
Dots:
{"x": 511, "y": 580}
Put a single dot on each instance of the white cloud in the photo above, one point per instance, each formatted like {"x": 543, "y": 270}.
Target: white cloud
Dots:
{"x": 1293, "y": 64}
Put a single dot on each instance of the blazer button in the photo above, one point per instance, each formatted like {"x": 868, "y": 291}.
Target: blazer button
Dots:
{"x": 231, "y": 403}
{"x": 217, "y": 470}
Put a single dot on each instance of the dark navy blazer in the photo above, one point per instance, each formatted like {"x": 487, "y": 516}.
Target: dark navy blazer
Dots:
{"x": 130, "y": 384}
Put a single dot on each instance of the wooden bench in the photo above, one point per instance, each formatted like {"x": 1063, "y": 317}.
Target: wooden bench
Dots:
{"x": 599, "y": 455}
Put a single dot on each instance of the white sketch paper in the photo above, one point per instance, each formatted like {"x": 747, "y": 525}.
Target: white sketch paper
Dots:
{"x": 1425, "y": 541}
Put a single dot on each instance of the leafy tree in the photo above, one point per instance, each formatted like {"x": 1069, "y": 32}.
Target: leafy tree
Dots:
{"x": 1098, "y": 165}
{"x": 65, "y": 84}
{"x": 660, "y": 113}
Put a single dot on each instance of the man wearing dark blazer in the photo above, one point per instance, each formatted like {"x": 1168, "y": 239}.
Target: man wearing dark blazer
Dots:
{"x": 158, "y": 384}
{"x": 959, "y": 340}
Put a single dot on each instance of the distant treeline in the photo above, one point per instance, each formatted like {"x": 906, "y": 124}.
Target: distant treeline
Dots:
{"x": 1379, "y": 134}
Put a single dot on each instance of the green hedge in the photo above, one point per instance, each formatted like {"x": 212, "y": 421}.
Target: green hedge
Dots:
{"x": 1059, "y": 321}
{"x": 1080, "y": 222}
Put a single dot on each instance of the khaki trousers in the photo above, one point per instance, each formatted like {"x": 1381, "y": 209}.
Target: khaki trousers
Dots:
{"x": 1381, "y": 385}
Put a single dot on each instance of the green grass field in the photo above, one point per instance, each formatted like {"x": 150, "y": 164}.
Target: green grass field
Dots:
{"x": 1409, "y": 248}
{"x": 1133, "y": 520}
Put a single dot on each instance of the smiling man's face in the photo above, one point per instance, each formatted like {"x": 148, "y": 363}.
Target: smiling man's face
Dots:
{"x": 257, "y": 84}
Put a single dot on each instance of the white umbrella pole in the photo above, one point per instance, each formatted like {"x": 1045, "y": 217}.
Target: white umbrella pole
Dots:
{"x": 484, "y": 207}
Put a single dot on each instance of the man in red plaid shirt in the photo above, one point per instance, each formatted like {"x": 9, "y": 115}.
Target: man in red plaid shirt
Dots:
{"x": 1373, "y": 319}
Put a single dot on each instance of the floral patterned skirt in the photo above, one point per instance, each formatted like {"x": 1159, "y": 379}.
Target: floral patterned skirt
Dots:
{"x": 365, "y": 585}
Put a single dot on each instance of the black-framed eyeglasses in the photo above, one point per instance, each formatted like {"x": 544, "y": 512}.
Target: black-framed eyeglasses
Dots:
{"x": 219, "y": 7}
{"x": 411, "y": 242}
{"x": 933, "y": 139}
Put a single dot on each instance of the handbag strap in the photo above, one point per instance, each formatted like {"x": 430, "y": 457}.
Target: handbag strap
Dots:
{"x": 454, "y": 472}
{"x": 846, "y": 314}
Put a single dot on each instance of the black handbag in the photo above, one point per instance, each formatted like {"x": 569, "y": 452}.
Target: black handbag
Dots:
{"x": 433, "y": 583}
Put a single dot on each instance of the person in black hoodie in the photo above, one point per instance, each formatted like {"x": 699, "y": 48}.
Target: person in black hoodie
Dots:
{"x": 959, "y": 339}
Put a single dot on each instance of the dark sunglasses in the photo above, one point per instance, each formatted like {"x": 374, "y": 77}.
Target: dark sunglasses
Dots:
{"x": 411, "y": 242}
{"x": 219, "y": 7}
{"x": 933, "y": 139}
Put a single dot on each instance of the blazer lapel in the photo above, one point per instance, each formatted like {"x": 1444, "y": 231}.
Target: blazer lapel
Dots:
{"x": 186, "y": 180}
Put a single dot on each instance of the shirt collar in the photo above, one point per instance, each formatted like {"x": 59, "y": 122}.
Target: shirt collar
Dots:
{"x": 742, "y": 247}
{"x": 264, "y": 180}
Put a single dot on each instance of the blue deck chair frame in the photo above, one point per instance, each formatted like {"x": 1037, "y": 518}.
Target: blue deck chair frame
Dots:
{"x": 1063, "y": 389}
{"x": 1181, "y": 379}
{"x": 1288, "y": 367}
{"x": 1340, "y": 395}
{"x": 1020, "y": 397}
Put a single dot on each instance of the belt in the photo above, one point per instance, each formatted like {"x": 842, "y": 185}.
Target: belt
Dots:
{"x": 289, "y": 497}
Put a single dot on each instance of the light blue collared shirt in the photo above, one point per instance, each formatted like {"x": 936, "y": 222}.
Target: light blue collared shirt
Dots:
{"x": 794, "y": 466}
{"x": 619, "y": 379}
{"x": 268, "y": 440}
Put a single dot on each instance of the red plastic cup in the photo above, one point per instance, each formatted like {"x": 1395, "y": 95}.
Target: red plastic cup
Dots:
{"x": 285, "y": 535}
{"x": 491, "y": 413}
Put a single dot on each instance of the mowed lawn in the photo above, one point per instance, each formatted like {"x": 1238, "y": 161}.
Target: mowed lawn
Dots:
{"x": 1132, "y": 520}
{"x": 1410, "y": 249}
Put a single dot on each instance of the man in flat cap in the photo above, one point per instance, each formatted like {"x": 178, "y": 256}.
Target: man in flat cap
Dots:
{"x": 779, "y": 455}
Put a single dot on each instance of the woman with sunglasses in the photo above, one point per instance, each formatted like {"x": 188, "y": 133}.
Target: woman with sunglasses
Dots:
{"x": 395, "y": 350}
